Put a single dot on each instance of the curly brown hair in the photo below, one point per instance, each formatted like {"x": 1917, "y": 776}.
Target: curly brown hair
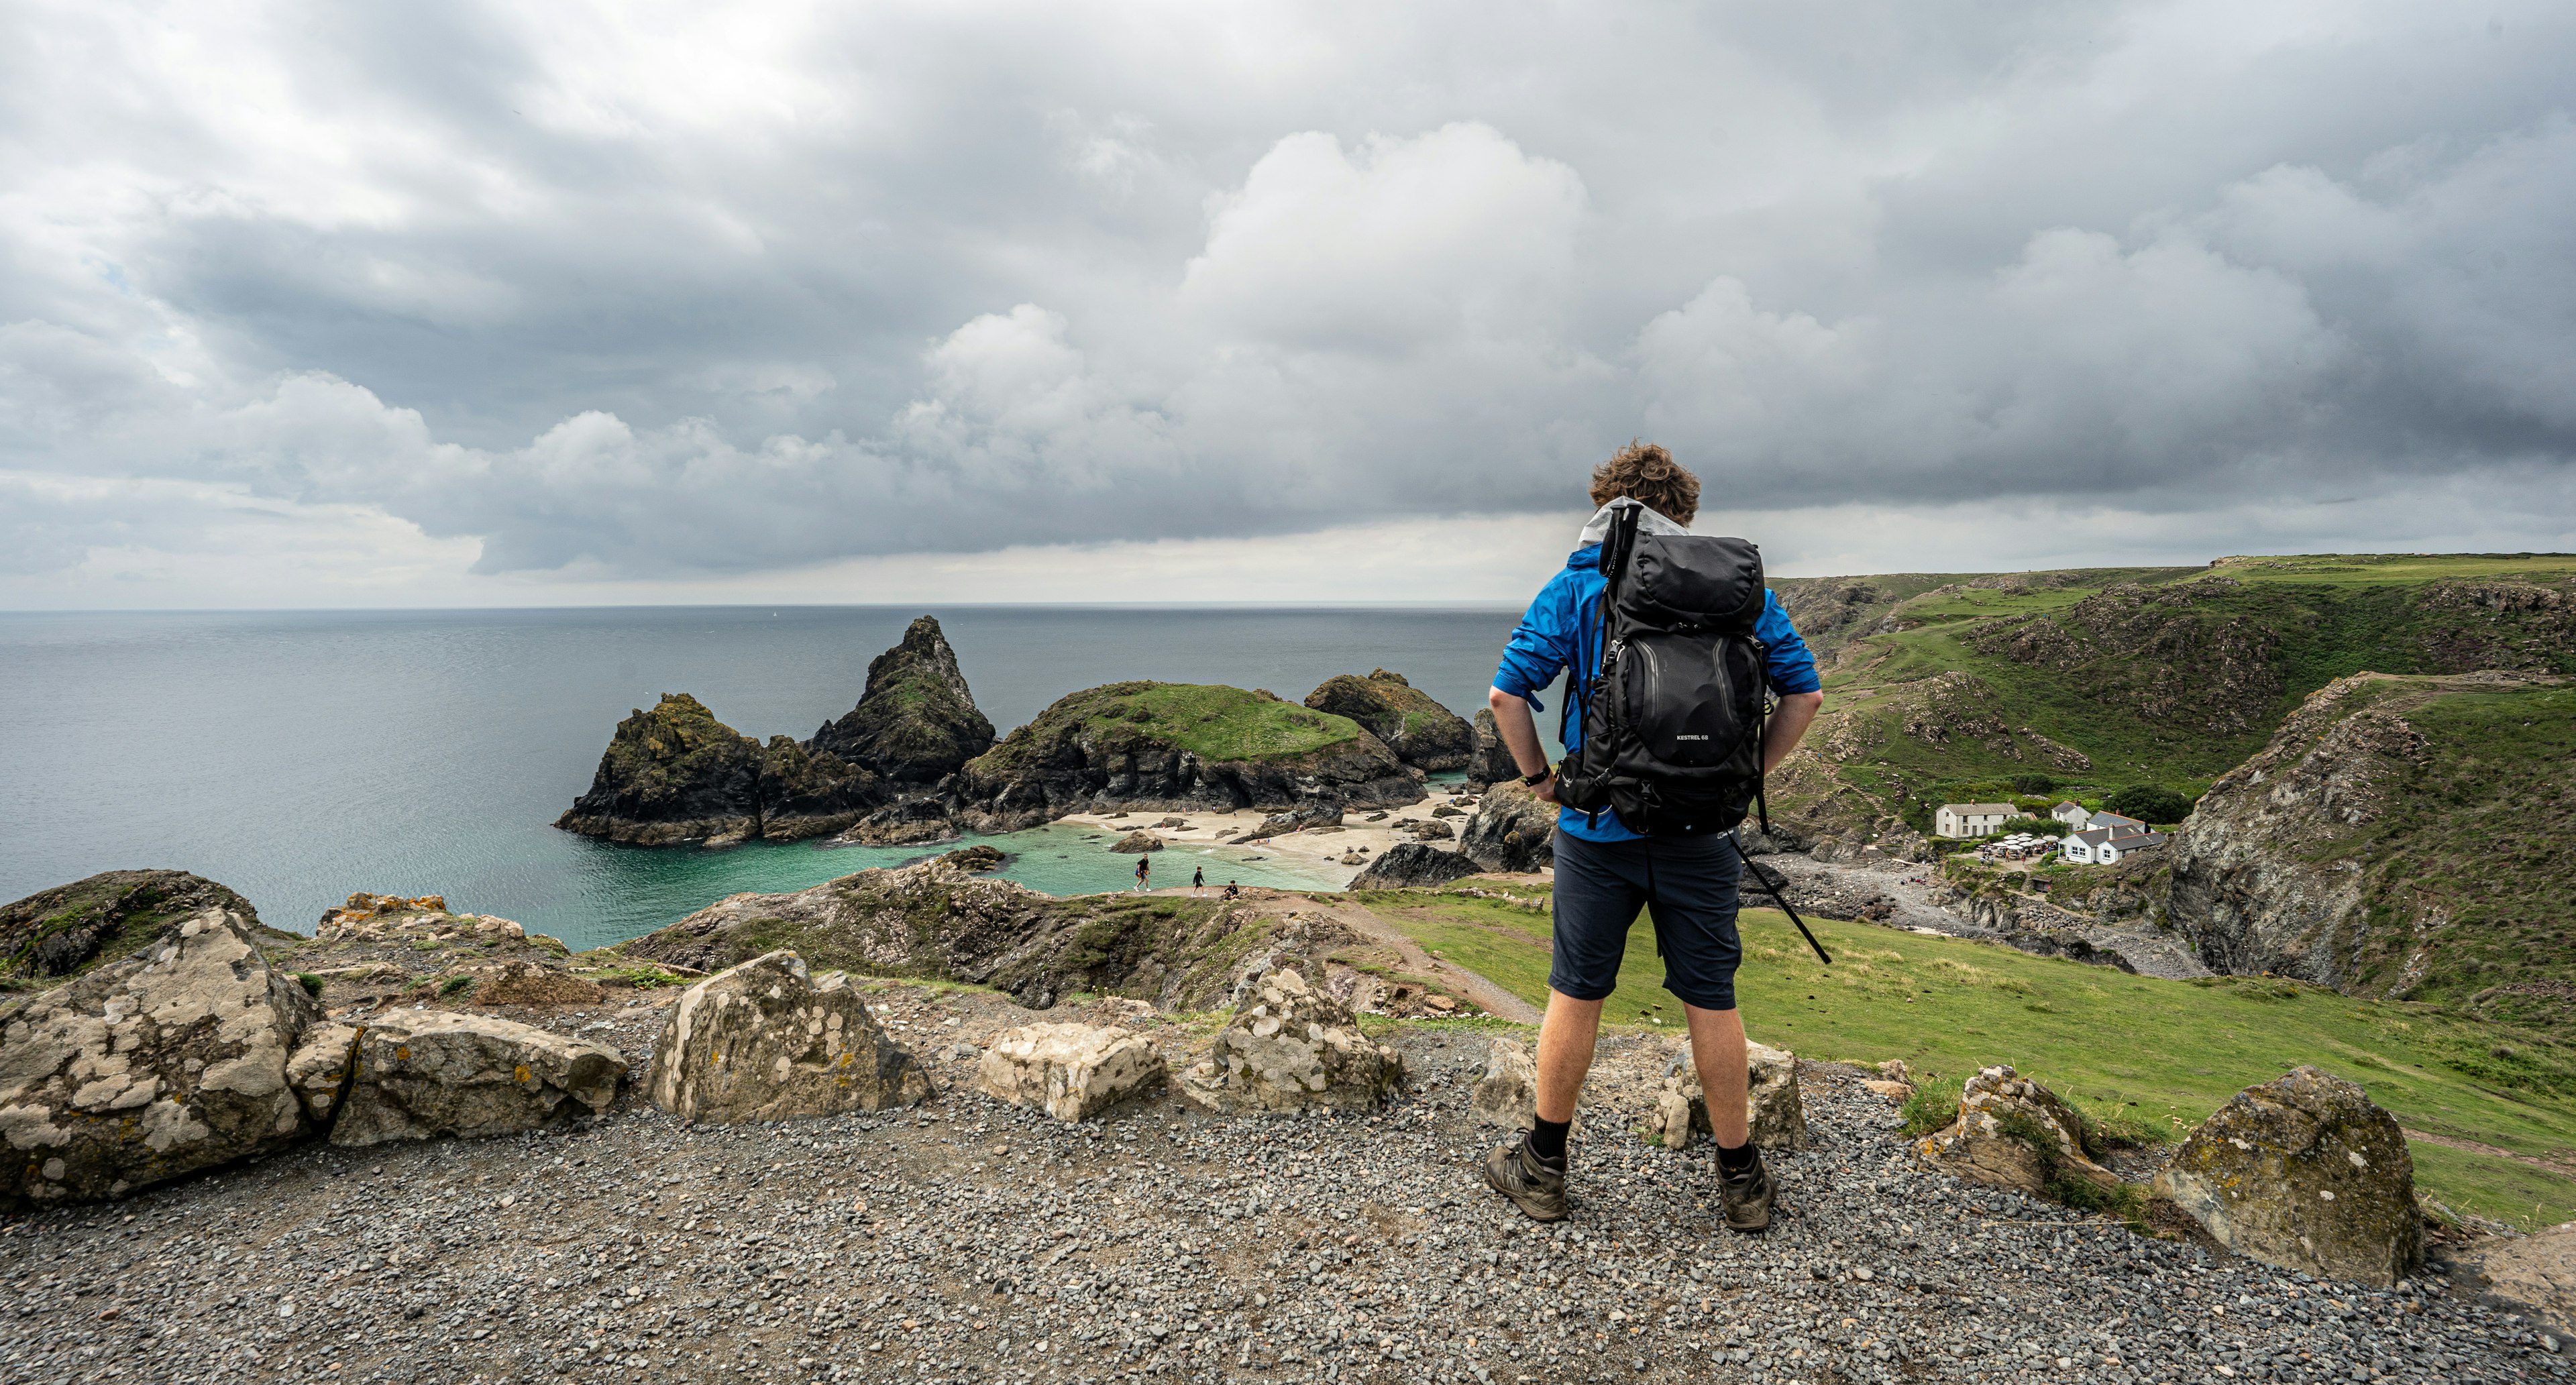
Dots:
{"x": 1646, "y": 473}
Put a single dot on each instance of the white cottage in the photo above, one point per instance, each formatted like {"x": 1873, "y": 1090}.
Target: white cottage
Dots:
{"x": 2102, "y": 846}
{"x": 1969, "y": 819}
{"x": 2073, "y": 814}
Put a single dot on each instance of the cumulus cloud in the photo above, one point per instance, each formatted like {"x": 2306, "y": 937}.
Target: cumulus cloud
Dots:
{"x": 601, "y": 295}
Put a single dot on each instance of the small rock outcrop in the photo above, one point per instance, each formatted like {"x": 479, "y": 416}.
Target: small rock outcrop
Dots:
{"x": 1420, "y": 731}
{"x": 1488, "y": 762}
{"x": 2013, "y": 1133}
{"x": 2305, "y": 1173}
{"x": 1513, "y": 830}
{"x": 1069, "y": 1071}
{"x": 169, "y": 1061}
{"x": 1774, "y": 1112}
{"x": 420, "y": 1074}
{"x": 1506, "y": 1093}
{"x": 1291, "y": 1048}
{"x": 1412, "y": 864}
{"x": 1138, "y": 842}
{"x": 766, "y": 1041}
{"x": 2537, "y": 1271}
{"x": 1299, "y": 818}
{"x": 916, "y": 722}
{"x": 66, "y": 930}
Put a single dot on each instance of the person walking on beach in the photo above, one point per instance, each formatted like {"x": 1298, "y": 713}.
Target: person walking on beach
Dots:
{"x": 1143, "y": 864}
{"x": 1606, "y": 870}
{"x": 1198, "y": 880}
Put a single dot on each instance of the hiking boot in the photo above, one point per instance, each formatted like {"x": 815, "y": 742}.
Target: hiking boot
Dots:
{"x": 1533, "y": 1185}
{"x": 1745, "y": 1197}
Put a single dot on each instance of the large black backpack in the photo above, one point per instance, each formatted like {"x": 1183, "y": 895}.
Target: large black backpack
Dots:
{"x": 1673, "y": 718}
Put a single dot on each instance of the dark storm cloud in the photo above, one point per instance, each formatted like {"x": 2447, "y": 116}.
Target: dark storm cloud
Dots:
{"x": 687, "y": 291}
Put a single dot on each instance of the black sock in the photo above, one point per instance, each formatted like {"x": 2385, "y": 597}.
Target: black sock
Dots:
{"x": 1735, "y": 1160}
{"x": 1547, "y": 1139}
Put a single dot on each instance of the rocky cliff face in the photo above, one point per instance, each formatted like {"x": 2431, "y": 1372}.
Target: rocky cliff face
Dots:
{"x": 676, "y": 774}
{"x": 1489, "y": 762}
{"x": 1420, "y": 731}
{"x": 934, "y": 920}
{"x": 2399, "y": 836}
{"x": 1176, "y": 747}
{"x": 916, "y": 723}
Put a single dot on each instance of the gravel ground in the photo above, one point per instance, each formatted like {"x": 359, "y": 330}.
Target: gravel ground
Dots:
{"x": 968, "y": 1241}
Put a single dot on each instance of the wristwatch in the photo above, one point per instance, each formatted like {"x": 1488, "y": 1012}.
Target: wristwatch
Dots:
{"x": 1534, "y": 780}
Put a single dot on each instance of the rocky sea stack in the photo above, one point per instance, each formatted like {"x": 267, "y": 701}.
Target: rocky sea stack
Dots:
{"x": 1177, "y": 747}
{"x": 1420, "y": 731}
{"x": 676, "y": 774}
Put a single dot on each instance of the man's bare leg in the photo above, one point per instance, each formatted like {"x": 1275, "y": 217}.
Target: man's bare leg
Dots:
{"x": 1565, "y": 1040}
{"x": 1717, "y": 1050}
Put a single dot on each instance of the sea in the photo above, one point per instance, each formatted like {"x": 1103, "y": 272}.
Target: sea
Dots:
{"x": 302, "y": 756}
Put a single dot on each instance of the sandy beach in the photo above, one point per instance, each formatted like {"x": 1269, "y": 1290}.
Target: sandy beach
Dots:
{"x": 1335, "y": 855}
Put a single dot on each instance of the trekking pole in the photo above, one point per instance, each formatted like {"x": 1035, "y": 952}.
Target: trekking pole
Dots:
{"x": 1774, "y": 891}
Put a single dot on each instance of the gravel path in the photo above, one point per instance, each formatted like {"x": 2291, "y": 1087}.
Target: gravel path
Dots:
{"x": 971, "y": 1242}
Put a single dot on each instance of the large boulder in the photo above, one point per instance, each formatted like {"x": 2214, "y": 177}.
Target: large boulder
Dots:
{"x": 1138, "y": 842}
{"x": 1488, "y": 762}
{"x": 766, "y": 1041}
{"x": 1513, "y": 830}
{"x": 169, "y": 1061}
{"x": 2011, "y": 1132}
{"x": 1420, "y": 731}
{"x": 916, "y": 723}
{"x": 1290, "y": 1047}
{"x": 1774, "y": 1112}
{"x": 2537, "y": 1271}
{"x": 1299, "y": 818}
{"x": 1506, "y": 1093}
{"x": 70, "y": 928}
{"x": 1069, "y": 1071}
{"x": 2305, "y": 1173}
{"x": 1413, "y": 864}
{"x": 420, "y": 1074}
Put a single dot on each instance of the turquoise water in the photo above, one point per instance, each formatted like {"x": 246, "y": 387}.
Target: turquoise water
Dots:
{"x": 303, "y": 756}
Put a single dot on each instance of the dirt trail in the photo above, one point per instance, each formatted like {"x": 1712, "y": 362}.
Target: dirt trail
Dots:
{"x": 1492, "y": 999}
{"x": 2562, "y": 1166}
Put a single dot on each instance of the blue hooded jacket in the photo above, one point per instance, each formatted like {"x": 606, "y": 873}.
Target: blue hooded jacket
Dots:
{"x": 1565, "y": 618}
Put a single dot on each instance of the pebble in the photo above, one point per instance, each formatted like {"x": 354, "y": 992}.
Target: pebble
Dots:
{"x": 968, "y": 1241}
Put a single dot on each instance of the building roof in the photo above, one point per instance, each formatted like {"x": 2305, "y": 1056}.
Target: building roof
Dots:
{"x": 2065, "y": 804}
{"x": 2092, "y": 836}
{"x": 2133, "y": 840}
{"x": 1978, "y": 809}
{"x": 2112, "y": 820}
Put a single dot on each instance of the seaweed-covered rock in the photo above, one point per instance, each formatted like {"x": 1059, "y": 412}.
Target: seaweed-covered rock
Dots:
{"x": 1412, "y": 865}
{"x": 1299, "y": 818}
{"x": 1069, "y": 1071}
{"x": 419, "y": 1074}
{"x": 768, "y": 1041}
{"x": 916, "y": 722}
{"x": 1289, "y": 1048}
{"x": 2013, "y": 1133}
{"x": 1773, "y": 1110}
{"x": 166, "y": 1062}
{"x": 2306, "y": 1173}
{"x": 67, "y": 929}
{"x": 1513, "y": 830}
{"x": 1420, "y": 731}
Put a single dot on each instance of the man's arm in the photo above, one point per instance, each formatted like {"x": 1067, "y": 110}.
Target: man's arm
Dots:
{"x": 1512, "y": 722}
{"x": 1789, "y": 721}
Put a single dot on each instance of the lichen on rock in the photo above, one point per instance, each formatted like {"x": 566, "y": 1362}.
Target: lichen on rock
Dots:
{"x": 1291, "y": 1048}
{"x": 768, "y": 1041}
{"x": 1775, "y": 1113}
{"x": 2303, "y": 1172}
{"x": 2013, "y": 1133}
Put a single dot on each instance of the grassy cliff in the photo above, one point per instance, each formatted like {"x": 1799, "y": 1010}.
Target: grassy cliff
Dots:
{"x": 2102, "y": 678}
{"x": 1211, "y": 721}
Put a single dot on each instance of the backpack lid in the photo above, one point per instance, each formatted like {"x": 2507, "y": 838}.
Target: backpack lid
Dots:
{"x": 1691, "y": 581}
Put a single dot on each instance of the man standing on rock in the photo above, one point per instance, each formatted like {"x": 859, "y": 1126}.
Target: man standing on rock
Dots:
{"x": 1606, "y": 872}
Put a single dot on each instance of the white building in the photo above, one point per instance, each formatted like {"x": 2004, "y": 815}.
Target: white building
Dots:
{"x": 2073, "y": 814}
{"x": 1969, "y": 819}
{"x": 2115, "y": 822}
{"x": 2102, "y": 846}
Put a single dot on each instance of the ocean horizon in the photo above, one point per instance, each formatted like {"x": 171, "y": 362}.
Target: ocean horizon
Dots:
{"x": 301, "y": 756}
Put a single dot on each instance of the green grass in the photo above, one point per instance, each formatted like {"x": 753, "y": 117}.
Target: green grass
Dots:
{"x": 2120, "y": 1047}
{"x": 1211, "y": 721}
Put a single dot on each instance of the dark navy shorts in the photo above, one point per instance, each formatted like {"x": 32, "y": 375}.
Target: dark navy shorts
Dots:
{"x": 1689, "y": 882}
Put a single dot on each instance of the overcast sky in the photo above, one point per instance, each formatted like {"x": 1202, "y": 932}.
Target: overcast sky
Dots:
{"x": 326, "y": 304}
